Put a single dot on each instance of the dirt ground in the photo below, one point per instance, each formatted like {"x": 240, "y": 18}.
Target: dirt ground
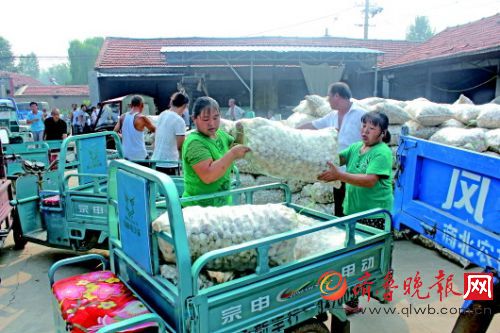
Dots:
{"x": 25, "y": 298}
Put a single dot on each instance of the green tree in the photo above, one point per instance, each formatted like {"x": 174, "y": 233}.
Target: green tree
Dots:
{"x": 420, "y": 30}
{"x": 6, "y": 56}
{"x": 56, "y": 74}
{"x": 28, "y": 65}
{"x": 82, "y": 56}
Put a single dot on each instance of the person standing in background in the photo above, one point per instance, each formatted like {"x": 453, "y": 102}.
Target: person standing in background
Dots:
{"x": 77, "y": 121}
{"x": 346, "y": 118}
{"x": 187, "y": 117}
{"x": 131, "y": 128}
{"x": 55, "y": 127}
{"x": 35, "y": 119}
{"x": 170, "y": 134}
{"x": 234, "y": 112}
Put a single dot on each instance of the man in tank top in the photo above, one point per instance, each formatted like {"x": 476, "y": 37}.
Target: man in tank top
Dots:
{"x": 131, "y": 127}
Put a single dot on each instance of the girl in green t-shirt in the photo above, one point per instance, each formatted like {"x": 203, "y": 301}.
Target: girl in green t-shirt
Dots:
{"x": 207, "y": 158}
{"x": 368, "y": 174}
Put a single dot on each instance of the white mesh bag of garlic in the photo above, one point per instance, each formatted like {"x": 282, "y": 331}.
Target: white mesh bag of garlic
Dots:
{"x": 493, "y": 140}
{"x": 318, "y": 105}
{"x": 396, "y": 114}
{"x": 212, "y": 228}
{"x": 465, "y": 113}
{"x": 420, "y": 131}
{"x": 452, "y": 123}
{"x": 297, "y": 119}
{"x": 489, "y": 116}
{"x": 227, "y": 126}
{"x": 319, "y": 192}
{"x": 428, "y": 113}
{"x": 287, "y": 153}
{"x": 472, "y": 139}
{"x": 319, "y": 242}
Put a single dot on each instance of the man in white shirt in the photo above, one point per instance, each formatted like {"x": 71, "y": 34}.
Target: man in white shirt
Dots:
{"x": 170, "y": 134}
{"x": 234, "y": 112}
{"x": 346, "y": 118}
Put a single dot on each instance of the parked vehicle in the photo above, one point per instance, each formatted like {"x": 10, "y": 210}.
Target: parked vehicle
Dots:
{"x": 8, "y": 219}
{"x": 9, "y": 114}
{"x": 19, "y": 131}
{"x": 66, "y": 207}
{"x": 281, "y": 298}
{"x": 114, "y": 108}
{"x": 450, "y": 196}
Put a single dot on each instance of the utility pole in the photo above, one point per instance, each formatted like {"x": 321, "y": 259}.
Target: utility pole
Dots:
{"x": 367, "y": 8}
{"x": 370, "y": 10}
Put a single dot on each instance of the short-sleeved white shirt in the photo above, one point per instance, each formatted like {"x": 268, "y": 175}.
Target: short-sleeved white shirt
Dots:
{"x": 170, "y": 125}
{"x": 351, "y": 125}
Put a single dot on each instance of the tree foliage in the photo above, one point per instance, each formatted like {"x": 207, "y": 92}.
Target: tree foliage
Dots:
{"x": 6, "y": 56}
{"x": 420, "y": 30}
{"x": 82, "y": 56}
{"x": 28, "y": 65}
{"x": 56, "y": 74}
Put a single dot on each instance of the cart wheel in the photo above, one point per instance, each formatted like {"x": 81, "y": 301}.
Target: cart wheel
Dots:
{"x": 310, "y": 326}
{"x": 89, "y": 243}
{"x": 19, "y": 241}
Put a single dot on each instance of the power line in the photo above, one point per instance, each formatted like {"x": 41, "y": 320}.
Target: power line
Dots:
{"x": 302, "y": 23}
{"x": 465, "y": 89}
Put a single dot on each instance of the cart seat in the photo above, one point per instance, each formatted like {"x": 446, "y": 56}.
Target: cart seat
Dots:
{"x": 93, "y": 300}
{"x": 52, "y": 201}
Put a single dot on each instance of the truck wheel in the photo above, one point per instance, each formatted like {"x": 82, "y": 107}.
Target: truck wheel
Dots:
{"x": 310, "y": 326}
{"x": 17, "y": 233}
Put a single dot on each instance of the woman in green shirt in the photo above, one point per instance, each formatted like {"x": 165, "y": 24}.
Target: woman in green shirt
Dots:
{"x": 207, "y": 158}
{"x": 368, "y": 175}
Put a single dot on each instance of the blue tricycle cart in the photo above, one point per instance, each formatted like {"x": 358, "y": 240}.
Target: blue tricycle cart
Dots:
{"x": 283, "y": 298}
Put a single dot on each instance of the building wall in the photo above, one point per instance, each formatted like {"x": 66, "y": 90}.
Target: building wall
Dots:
{"x": 276, "y": 88}
{"x": 160, "y": 88}
{"x": 475, "y": 76}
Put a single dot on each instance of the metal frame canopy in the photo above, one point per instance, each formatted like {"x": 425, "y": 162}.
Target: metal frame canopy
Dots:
{"x": 263, "y": 55}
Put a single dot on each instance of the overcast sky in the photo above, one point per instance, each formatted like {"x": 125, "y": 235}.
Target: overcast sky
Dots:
{"x": 46, "y": 27}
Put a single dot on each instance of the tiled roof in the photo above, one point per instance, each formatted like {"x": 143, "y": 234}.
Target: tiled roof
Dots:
{"x": 130, "y": 52}
{"x": 474, "y": 37}
{"x": 55, "y": 91}
{"x": 20, "y": 80}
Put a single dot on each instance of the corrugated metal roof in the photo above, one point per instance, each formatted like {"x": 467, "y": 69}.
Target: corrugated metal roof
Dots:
{"x": 119, "y": 53}
{"x": 279, "y": 49}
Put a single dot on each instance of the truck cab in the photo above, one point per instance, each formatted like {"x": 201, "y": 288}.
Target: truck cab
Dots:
{"x": 9, "y": 114}
{"x": 112, "y": 109}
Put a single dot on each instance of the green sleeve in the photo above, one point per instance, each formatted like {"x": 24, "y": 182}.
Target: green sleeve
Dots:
{"x": 380, "y": 165}
{"x": 226, "y": 137}
{"x": 197, "y": 152}
{"x": 346, "y": 153}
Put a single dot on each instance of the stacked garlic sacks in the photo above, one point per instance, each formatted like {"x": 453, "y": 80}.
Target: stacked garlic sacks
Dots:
{"x": 212, "y": 228}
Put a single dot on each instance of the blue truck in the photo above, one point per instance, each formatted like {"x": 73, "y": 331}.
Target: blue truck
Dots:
{"x": 452, "y": 196}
